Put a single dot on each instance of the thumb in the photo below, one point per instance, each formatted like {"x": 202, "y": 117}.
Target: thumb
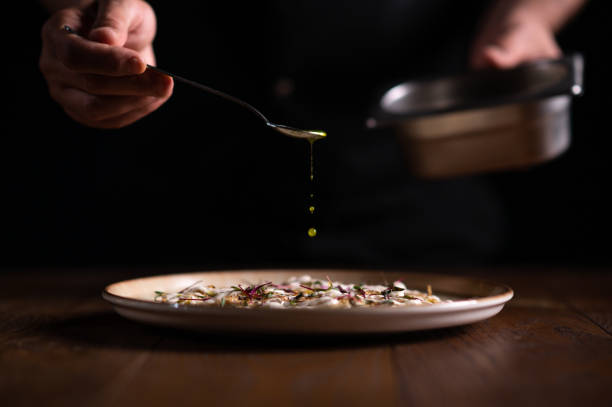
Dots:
{"x": 503, "y": 58}
{"x": 112, "y": 22}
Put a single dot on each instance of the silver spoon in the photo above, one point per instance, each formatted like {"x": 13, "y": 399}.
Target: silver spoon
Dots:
{"x": 310, "y": 135}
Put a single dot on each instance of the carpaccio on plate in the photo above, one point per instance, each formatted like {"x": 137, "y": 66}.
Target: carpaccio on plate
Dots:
{"x": 300, "y": 292}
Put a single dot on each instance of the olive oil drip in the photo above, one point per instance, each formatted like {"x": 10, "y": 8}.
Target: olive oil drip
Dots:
{"x": 312, "y": 232}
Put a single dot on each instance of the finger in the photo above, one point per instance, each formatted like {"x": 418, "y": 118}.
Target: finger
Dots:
{"x": 83, "y": 56}
{"x": 497, "y": 57}
{"x": 143, "y": 27}
{"x": 92, "y": 108}
{"x": 70, "y": 17}
{"x": 149, "y": 83}
{"x": 112, "y": 22}
{"x": 129, "y": 117}
{"x": 521, "y": 46}
{"x": 547, "y": 48}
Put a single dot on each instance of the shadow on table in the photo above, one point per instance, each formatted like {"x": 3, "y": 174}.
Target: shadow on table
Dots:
{"x": 108, "y": 330}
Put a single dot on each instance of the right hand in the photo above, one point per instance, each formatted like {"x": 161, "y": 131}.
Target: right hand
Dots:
{"x": 99, "y": 76}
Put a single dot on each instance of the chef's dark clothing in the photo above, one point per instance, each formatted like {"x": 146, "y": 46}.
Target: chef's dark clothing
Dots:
{"x": 204, "y": 181}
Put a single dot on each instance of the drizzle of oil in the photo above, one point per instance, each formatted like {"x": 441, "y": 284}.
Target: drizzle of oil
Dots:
{"x": 312, "y": 232}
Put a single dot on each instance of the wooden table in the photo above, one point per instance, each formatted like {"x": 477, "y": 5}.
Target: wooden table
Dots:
{"x": 62, "y": 345}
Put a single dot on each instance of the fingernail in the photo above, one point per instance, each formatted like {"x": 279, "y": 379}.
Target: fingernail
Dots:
{"x": 136, "y": 65}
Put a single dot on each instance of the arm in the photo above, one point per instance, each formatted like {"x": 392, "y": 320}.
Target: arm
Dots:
{"x": 516, "y": 31}
{"x": 99, "y": 76}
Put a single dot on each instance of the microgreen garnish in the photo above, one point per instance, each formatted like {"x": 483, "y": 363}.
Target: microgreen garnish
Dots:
{"x": 295, "y": 299}
{"x": 360, "y": 290}
{"x": 385, "y": 293}
{"x": 252, "y": 292}
{"x": 299, "y": 293}
{"x": 285, "y": 288}
{"x": 313, "y": 288}
{"x": 190, "y": 287}
{"x": 196, "y": 299}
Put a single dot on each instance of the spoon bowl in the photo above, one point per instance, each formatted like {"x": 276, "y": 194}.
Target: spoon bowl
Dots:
{"x": 311, "y": 135}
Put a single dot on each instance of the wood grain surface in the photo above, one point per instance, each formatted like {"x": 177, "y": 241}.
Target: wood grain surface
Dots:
{"x": 62, "y": 345}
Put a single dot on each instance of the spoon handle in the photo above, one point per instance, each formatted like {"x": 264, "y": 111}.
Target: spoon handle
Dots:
{"x": 211, "y": 90}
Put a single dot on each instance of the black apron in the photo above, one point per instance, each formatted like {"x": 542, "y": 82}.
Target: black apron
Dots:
{"x": 202, "y": 181}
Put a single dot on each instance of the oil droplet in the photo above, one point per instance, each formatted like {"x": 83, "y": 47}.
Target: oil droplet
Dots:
{"x": 312, "y": 232}
{"x": 311, "y": 141}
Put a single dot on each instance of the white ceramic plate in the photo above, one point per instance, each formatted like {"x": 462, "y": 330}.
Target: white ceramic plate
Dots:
{"x": 473, "y": 300}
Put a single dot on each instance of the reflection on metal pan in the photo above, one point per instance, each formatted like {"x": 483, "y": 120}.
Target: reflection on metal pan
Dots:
{"x": 485, "y": 120}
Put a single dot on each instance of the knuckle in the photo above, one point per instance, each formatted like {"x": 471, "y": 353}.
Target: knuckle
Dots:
{"x": 110, "y": 21}
{"x": 148, "y": 12}
{"x": 45, "y": 31}
{"x": 145, "y": 6}
{"x": 48, "y": 30}
{"x": 63, "y": 14}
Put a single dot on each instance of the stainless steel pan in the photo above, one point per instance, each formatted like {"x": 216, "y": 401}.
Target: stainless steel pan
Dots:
{"x": 485, "y": 120}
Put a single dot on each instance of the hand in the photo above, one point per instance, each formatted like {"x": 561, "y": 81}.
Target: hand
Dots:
{"x": 99, "y": 76}
{"x": 506, "y": 42}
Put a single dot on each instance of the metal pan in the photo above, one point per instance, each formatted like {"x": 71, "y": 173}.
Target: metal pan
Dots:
{"x": 483, "y": 121}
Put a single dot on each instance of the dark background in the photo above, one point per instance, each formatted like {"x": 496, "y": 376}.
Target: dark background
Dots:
{"x": 77, "y": 196}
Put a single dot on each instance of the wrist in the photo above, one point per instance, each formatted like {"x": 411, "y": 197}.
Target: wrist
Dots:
{"x": 526, "y": 17}
{"x": 548, "y": 14}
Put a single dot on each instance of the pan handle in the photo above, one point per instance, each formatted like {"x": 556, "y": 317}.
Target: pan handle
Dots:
{"x": 572, "y": 84}
{"x": 577, "y": 74}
